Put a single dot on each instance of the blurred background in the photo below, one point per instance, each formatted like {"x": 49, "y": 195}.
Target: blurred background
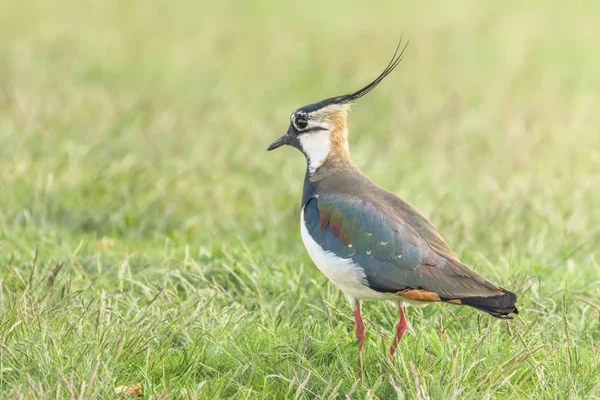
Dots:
{"x": 136, "y": 194}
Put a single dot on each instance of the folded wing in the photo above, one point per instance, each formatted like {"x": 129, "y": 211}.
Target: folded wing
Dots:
{"x": 400, "y": 252}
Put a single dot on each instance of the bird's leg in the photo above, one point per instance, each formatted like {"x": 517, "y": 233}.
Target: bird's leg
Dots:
{"x": 400, "y": 328}
{"x": 360, "y": 334}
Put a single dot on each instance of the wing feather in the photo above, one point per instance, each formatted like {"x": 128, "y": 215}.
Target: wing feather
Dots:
{"x": 398, "y": 250}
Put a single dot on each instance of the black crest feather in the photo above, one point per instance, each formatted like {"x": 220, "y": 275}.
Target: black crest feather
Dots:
{"x": 396, "y": 58}
{"x": 350, "y": 97}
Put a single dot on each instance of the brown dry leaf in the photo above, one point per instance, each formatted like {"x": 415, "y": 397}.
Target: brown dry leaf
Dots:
{"x": 131, "y": 390}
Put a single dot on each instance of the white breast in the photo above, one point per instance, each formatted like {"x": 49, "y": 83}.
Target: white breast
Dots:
{"x": 343, "y": 272}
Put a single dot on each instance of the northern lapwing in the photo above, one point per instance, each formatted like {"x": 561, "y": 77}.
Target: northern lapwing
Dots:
{"x": 370, "y": 243}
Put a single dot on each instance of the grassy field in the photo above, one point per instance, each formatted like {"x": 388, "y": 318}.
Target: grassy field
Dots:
{"x": 146, "y": 237}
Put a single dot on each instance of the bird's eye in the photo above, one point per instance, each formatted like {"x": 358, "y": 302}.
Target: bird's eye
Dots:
{"x": 301, "y": 123}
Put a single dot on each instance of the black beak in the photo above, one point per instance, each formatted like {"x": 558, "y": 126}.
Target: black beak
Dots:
{"x": 280, "y": 141}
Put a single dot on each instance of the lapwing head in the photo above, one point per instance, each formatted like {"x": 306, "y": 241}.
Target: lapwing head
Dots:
{"x": 320, "y": 130}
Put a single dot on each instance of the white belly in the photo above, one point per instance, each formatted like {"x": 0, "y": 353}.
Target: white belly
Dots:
{"x": 343, "y": 272}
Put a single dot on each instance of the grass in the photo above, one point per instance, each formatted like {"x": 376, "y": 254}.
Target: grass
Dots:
{"x": 147, "y": 238}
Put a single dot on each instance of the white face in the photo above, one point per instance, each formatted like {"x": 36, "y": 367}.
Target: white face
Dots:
{"x": 314, "y": 134}
{"x": 317, "y": 146}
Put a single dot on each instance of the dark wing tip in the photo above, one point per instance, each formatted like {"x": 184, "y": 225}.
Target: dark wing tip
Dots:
{"x": 499, "y": 306}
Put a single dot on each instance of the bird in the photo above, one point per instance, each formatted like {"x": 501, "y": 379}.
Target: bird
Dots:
{"x": 370, "y": 243}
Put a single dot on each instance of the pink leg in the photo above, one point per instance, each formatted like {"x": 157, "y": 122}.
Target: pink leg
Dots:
{"x": 400, "y": 328}
{"x": 360, "y": 335}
